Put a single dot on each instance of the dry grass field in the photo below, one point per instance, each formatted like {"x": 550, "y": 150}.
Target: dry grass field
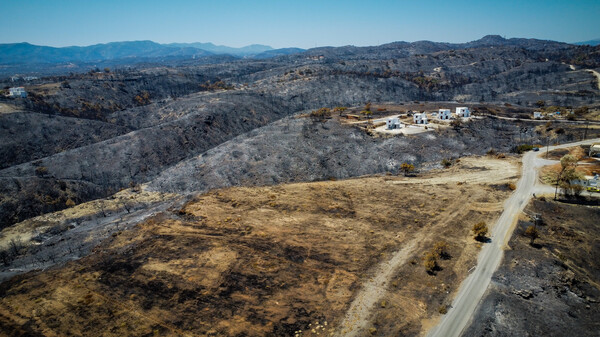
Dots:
{"x": 283, "y": 260}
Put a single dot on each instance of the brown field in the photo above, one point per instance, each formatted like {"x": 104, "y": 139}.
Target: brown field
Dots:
{"x": 44, "y": 89}
{"x": 272, "y": 261}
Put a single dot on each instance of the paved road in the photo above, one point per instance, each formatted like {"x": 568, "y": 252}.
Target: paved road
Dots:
{"x": 474, "y": 286}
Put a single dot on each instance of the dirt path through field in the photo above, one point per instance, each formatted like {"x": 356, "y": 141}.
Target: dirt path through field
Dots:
{"x": 358, "y": 316}
{"x": 597, "y": 74}
{"x": 373, "y": 290}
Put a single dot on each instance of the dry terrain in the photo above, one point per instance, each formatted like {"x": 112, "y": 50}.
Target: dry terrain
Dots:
{"x": 549, "y": 288}
{"x": 273, "y": 261}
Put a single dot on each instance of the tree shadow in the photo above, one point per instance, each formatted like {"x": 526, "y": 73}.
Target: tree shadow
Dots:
{"x": 536, "y": 245}
{"x": 483, "y": 239}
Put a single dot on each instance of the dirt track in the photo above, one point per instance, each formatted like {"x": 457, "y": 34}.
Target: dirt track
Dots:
{"x": 480, "y": 170}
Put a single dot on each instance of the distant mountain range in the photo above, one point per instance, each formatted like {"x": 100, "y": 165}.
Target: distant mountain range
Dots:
{"x": 595, "y": 42}
{"x": 25, "y": 53}
{"x": 20, "y": 58}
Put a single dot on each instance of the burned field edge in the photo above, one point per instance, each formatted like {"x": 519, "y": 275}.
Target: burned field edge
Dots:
{"x": 547, "y": 285}
{"x": 245, "y": 261}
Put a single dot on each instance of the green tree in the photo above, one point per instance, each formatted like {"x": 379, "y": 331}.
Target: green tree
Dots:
{"x": 480, "y": 231}
{"x": 540, "y": 104}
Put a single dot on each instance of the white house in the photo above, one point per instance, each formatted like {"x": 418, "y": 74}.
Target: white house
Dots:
{"x": 420, "y": 118}
{"x": 443, "y": 114}
{"x": 537, "y": 114}
{"x": 463, "y": 112}
{"x": 393, "y": 123}
{"x": 17, "y": 92}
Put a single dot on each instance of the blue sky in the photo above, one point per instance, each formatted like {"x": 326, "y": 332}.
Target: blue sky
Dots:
{"x": 284, "y": 23}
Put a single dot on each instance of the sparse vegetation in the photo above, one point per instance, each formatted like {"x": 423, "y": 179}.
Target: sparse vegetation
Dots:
{"x": 321, "y": 114}
{"x": 430, "y": 262}
{"x": 407, "y": 168}
{"x": 532, "y": 233}
{"x": 480, "y": 230}
{"x": 143, "y": 98}
{"x": 340, "y": 109}
{"x": 441, "y": 249}
{"x": 520, "y": 149}
{"x": 41, "y": 171}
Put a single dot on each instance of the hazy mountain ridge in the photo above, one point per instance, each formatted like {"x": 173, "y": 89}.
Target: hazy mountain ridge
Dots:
{"x": 26, "y": 53}
{"x": 211, "y": 47}
{"x": 25, "y": 57}
{"x": 594, "y": 42}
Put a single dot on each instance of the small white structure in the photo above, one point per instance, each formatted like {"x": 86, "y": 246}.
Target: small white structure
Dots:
{"x": 537, "y": 114}
{"x": 463, "y": 112}
{"x": 443, "y": 114}
{"x": 393, "y": 123}
{"x": 594, "y": 149}
{"x": 17, "y": 92}
{"x": 420, "y": 118}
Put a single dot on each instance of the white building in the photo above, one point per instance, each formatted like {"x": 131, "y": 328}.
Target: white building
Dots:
{"x": 393, "y": 123}
{"x": 420, "y": 118}
{"x": 17, "y": 92}
{"x": 463, "y": 112}
{"x": 443, "y": 114}
{"x": 537, "y": 114}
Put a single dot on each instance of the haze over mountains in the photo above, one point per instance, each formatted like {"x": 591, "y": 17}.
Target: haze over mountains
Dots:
{"x": 28, "y": 58}
{"x": 16, "y": 53}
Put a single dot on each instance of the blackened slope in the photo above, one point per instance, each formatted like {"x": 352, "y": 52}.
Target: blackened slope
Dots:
{"x": 27, "y": 136}
{"x": 101, "y": 169}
